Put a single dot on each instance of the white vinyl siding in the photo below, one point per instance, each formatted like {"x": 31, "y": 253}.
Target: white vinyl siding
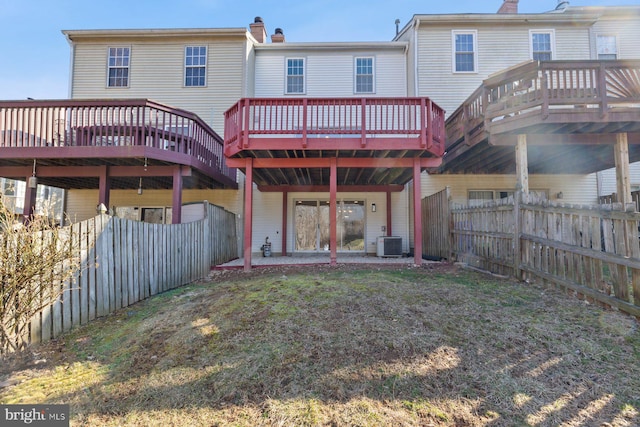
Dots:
{"x": 330, "y": 74}
{"x": 576, "y": 189}
{"x": 158, "y": 74}
{"x": 81, "y": 204}
{"x": 627, "y": 31}
{"x": 498, "y": 48}
{"x": 607, "y": 179}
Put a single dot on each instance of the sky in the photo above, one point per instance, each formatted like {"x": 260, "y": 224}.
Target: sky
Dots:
{"x": 36, "y": 55}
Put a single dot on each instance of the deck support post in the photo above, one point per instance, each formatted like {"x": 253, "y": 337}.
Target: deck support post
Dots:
{"x": 285, "y": 196}
{"x": 333, "y": 190}
{"x": 248, "y": 212}
{"x": 623, "y": 180}
{"x": 29, "y": 201}
{"x": 176, "y": 200}
{"x": 522, "y": 165}
{"x": 417, "y": 213}
{"x": 389, "y": 214}
{"x": 104, "y": 186}
{"x": 522, "y": 192}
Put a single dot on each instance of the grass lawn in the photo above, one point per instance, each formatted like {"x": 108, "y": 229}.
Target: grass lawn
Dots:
{"x": 343, "y": 346}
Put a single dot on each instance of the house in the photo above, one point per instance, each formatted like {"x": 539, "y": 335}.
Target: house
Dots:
{"x": 351, "y": 130}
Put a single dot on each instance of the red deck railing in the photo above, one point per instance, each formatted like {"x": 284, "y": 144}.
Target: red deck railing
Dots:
{"x": 547, "y": 87}
{"x": 415, "y": 121}
{"x": 110, "y": 123}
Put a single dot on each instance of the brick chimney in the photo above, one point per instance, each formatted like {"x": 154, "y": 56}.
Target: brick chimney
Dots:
{"x": 278, "y": 37}
{"x": 509, "y": 6}
{"x": 257, "y": 30}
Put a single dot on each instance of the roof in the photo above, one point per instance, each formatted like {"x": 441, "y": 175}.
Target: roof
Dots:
{"x": 570, "y": 16}
{"x": 74, "y": 35}
{"x": 332, "y": 45}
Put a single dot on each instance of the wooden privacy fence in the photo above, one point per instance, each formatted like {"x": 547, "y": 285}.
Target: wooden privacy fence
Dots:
{"x": 593, "y": 251}
{"x": 613, "y": 198}
{"x": 436, "y": 240}
{"x": 124, "y": 261}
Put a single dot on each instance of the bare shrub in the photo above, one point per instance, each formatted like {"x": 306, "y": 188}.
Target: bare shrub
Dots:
{"x": 36, "y": 260}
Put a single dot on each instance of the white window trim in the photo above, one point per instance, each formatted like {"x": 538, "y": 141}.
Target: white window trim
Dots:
{"x": 304, "y": 75}
{"x": 206, "y": 64}
{"x": 128, "y": 67}
{"x": 552, "y": 39}
{"x": 355, "y": 74}
{"x": 474, "y": 33}
{"x": 615, "y": 36}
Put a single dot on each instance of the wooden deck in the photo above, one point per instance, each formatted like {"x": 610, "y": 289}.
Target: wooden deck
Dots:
{"x": 373, "y": 139}
{"x": 569, "y": 110}
{"x": 68, "y": 139}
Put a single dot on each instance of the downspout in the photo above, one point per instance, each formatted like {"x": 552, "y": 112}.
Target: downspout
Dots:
{"x": 72, "y": 55}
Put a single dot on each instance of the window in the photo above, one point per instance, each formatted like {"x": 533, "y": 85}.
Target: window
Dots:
{"x": 195, "y": 65}
{"x": 606, "y": 47}
{"x": 118, "y": 74}
{"x": 295, "y": 75}
{"x": 464, "y": 49}
{"x": 542, "y": 45}
{"x": 364, "y": 75}
{"x": 480, "y": 197}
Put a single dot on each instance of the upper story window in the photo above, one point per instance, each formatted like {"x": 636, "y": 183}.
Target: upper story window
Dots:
{"x": 118, "y": 73}
{"x": 195, "y": 65}
{"x": 364, "y": 75}
{"x": 295, "y": 75}
{"x": 465, "y": 49}
{"x": 606, "y": 47}
{"x": 542, "y": 45}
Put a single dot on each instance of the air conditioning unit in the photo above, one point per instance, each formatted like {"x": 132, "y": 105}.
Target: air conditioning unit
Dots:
{"x": 389, "y": 246}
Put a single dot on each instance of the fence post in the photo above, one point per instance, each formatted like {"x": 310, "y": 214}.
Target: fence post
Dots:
{"x": 517, "y": 231}
{"x": 450, "y": 224}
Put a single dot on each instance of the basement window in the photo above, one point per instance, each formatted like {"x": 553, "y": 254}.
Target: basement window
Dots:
{"x": 480, "y": 197}
{"x": 150, "y": 214}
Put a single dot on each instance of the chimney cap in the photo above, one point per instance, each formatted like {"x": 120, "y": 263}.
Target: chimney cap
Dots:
{"x": 278, "y": 31}
{"x": 257, "y": 20}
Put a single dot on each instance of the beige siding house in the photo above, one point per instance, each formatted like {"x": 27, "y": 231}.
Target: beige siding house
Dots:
{"x": 500, "y": 41}
{"x": 443, "y": 57}
{"x": 157, "y": 70}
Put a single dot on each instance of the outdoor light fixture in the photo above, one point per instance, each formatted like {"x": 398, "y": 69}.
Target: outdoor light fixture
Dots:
{"x": 373, "y": 207}
{"x": 33, "y": 180}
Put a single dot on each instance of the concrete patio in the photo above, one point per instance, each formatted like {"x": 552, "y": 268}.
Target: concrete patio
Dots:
{"x": 260, "y": 261}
